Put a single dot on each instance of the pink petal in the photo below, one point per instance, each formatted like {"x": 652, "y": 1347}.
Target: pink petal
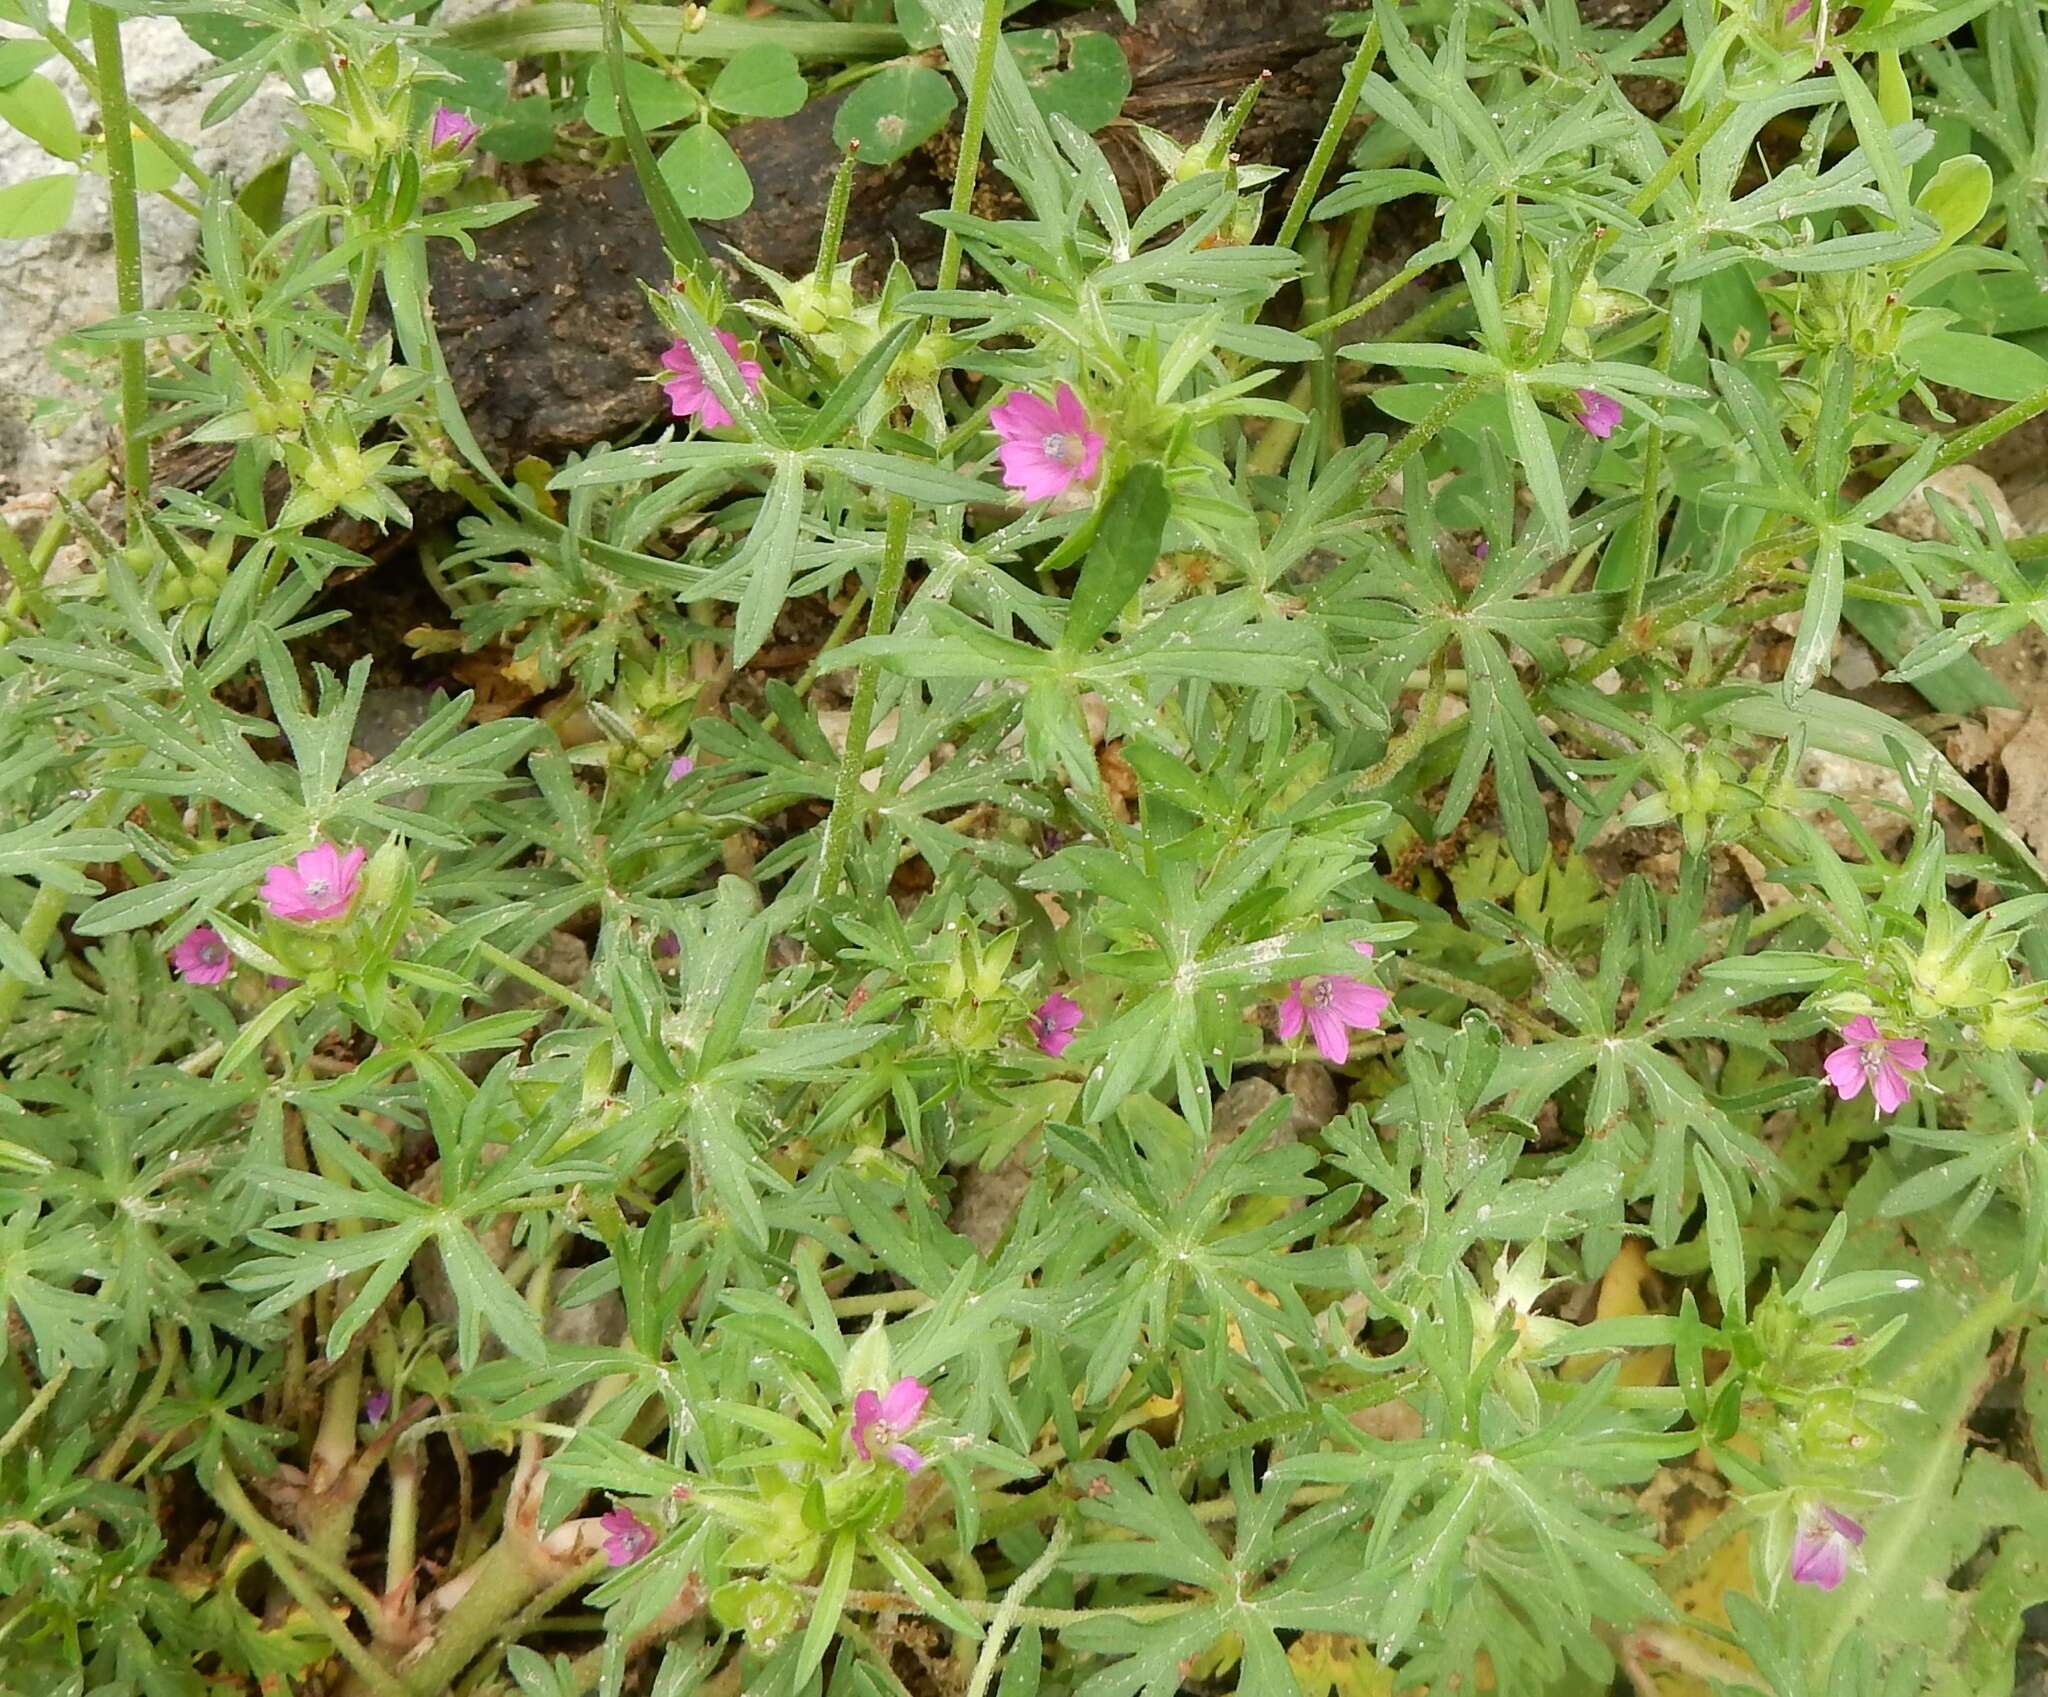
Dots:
{"x": 1091, "y": 457}
{"x": 1844, "y": 1068}
{"x": 1332, "y": 1037}
{"x": 1850, "y": 1529}
{"x": 1023, "y": 416}
{"x": 1889, "y": 1088}
{"x": 1818, "y": 1560}
{"x": 1861, "y": 1029}
{"x": 903, "y": 1402}
{"x": 904, "y": 1457}
{"x": 1032, "y": 472}
{"x": 1069, "y": 414}
{"x": 1357, "y": 1004}
{"x": 201, "y": 956}
{"x": 1907, "y": 1052}
{"x": 1054, "y": 1023}
{"x": 1599, "y": 413}
{"x": 1293, "y": 1014}
{"x": 867, "y": 1409}
{"x": 450, "y": 126}
{"x": 1364, "y": 948}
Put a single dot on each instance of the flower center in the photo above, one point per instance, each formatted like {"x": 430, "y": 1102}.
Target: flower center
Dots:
{"x": 1317, "y": 994}
{"x": 880, "y": 1436}
{"x": 317, "y": 888}
{"x": 212, "y": 954}
{"x": 1068, "y": 450}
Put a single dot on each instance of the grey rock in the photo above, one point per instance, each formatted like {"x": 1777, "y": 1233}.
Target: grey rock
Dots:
{"x": 1316, "y": 1099}
{"x": 56, "y": 284}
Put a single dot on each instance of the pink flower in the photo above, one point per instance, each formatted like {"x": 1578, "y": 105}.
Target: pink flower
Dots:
{"x": 689, "y": 395}
{"x": 1871, "y": 1058}
{"x": 319, "y": 884}
{"x": 1821, "y": 1551}
{"x": 375, "y": 1406}
{"x": 879, "y": 1421}
{"x": 1598, "y": 413}
{"x": 681, "y": 767}
{"x": 627, "y": 1536}
{"x": 450, "y": 129}
{"x": 1047, "y": 445}
{"x": 1481, "y": 549}
{"x": 1332, "y": 1008}
{"x": 201, "y": 956}
{"x": 1054, "y": 1024}
{"x": 1797, "y": 10}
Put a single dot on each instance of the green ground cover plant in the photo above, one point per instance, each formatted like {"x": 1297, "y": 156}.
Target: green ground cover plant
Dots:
{"x": 1266, "y": 1068}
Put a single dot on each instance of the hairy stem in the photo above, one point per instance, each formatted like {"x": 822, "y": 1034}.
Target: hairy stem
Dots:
{"x": 125, "y": 216}
{"x": 1332, "y": 138}
{"x": 1005, "y": 1619}
{"x": 972, "y": 129}
{"x": 839, "y": 824}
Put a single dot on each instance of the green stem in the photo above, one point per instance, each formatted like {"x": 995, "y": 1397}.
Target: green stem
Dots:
{"x": 1480, "y": 997}
{"x": 175, "y": 150}
{"x": 25, "y": 1421}
{"x": 506, "y": 1581}
{"x": 125, "y": 215}
{"x": 1316, "y": 295}
{"x": 856, "y": 604}
{"x": 839, "y": 824}
{"x": 1649, "y": 513}
{"x": 835, "y": 213}
{"x": 1964, "y": 443}
{"x": 1327, "y": 143}
{"x": 1007, "y": 1612}
{"x": 895, "y": 1602}
{"x": 1674, "y": 162}
{"x": 1360, "y": 307}
{"x": 283, "y": 1558}
{"x": 975, "y": 126}
{"x": 401, "y": 1542}
{"x": 358, "y": 312}
{"x": 1418, "y": 729}
{"x": 534, "y": 979}
{"x": 171, "y": 1349}
{"x": 1418, "y": 436}
{"x": 35, "y": 932}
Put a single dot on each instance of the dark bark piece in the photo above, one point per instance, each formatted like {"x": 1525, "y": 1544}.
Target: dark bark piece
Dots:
{"x": 549, "y": 336}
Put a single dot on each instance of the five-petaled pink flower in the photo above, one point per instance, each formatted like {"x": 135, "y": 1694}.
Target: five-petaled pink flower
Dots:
{"x": 1598, "y": 414}
{"x": 1332, "y": 1007}
{"x": 450, "y": 129}
{"x": 1869, "y": 1057}
{"x": 1054, "y": 1023}
{"x": 681, "y": 767}
{"x": 201, "y": 956}
{"x": 1821, "y": 1551}
{"x": 690, "y": 395}
{"x": 1047, "y": 446}
{"x": 319, "y": 884}
{"x": 879, "y": 1423}
{"x": 627, "y": 1537}
{"x": 375, "y": 1406}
